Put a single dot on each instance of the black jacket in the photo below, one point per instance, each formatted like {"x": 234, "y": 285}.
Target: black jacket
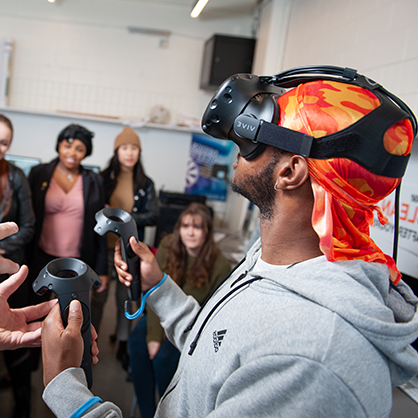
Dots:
{"x": 145, "y": 209}
{"x": 20, "y": 212}
{"x": 93, "y": 248}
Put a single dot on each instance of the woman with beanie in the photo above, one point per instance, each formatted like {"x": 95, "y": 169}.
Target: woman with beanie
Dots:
{"x": 128, "y": 188}
{"x": 190, "y": 256}
{"x": 65, "y": 198}
{"x": 16, "y": 206}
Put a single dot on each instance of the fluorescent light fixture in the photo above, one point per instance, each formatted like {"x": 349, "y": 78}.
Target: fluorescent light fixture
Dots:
{"x": 198, "y": 7}
{"x": 148, "y": 31}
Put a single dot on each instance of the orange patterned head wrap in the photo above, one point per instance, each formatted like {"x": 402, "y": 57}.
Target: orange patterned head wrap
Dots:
{"x": 346, "y": 194}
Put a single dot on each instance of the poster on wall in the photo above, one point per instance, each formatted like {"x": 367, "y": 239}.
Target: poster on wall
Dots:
{"x": 6, "y": 47}
{"x": 408, "y": 228}
{"x": 208, "y": 167}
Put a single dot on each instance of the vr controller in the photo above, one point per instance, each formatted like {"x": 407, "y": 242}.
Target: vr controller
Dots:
{"x": 69, "y": 279}
{"x": 122, "y": 224}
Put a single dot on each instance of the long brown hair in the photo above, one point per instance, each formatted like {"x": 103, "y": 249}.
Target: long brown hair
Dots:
{"x": 113, "y": 170}
{"x": 5, "y": 190}
{"x": 176, "y": 265}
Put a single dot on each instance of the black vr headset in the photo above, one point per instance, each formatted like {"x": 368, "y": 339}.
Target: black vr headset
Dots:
{"x": 245, "y": 110}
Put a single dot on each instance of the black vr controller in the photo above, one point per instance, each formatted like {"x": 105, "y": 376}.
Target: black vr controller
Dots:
{"x": 122, "y": 224}
{"x": 69, "y": 279}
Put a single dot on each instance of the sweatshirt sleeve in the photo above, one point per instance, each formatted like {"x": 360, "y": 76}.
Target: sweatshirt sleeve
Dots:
{"x": 154, "y": 330}
{"x": 175, "y": 309}
{"x": 68, "y": 392}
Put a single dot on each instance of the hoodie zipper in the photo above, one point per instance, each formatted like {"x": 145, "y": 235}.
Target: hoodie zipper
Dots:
{"x": 220, "y": 301}
{"x": 189, "y": 328}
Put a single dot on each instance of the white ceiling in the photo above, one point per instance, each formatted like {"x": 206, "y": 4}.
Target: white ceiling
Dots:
{"x": 214, "y": 8}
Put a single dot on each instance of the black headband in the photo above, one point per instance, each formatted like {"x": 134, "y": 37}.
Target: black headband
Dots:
{"x": 77, "y": 132}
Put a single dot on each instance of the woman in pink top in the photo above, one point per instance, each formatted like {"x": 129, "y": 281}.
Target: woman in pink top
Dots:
{"x": 65, "y": 198}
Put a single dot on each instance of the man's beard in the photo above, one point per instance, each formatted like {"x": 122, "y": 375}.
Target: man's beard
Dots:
{"x": 258, "y": 188}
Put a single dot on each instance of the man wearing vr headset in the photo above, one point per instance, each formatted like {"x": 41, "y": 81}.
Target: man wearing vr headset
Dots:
{"x": 315, "y": 321}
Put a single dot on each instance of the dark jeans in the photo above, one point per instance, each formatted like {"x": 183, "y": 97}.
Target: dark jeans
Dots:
{"x": 148, "y": 374}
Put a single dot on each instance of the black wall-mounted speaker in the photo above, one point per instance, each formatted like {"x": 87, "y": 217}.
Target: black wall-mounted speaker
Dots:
{"x": 225, "y": 56}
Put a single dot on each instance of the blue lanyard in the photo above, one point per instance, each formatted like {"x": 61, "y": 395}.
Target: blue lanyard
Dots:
{"x": 140, "y": 311}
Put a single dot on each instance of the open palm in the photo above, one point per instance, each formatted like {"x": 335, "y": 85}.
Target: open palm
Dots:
{"x": 16, "y": 327}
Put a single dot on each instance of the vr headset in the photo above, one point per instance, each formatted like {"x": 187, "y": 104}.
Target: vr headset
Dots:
{"x": 245, "y": 110}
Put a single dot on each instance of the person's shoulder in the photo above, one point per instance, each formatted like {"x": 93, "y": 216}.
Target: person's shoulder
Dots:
{"x": 42, "y": 166}
{"x": 88, "y": 171}
{"x": 15, "y": 170}
{"x": 90, "y": 174}
{"x": 165, "y": 242}
{"x": 17, "y": 177}
{"x": 221, "y": 261}
{"x": 220, "y": 257}
{"x": 150, "y": 184}
{"x": 106, "y": 173}
{"x": 39, "y": 169}
{"x": 150, "y": 181}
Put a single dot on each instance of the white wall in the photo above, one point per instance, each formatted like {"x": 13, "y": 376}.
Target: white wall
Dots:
{"x": 272, "y": 36}
{"x": 77, "y": 56}
{"x": 379, "y": 38}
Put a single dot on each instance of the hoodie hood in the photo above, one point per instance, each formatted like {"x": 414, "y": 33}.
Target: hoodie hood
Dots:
{"x": 360, "y": 293}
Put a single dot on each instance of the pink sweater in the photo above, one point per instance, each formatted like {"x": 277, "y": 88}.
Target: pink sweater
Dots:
{"x": 63, "y": 222}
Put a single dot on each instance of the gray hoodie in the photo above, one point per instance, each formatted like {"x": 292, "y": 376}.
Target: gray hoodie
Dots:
{"x": 315, "y": 339}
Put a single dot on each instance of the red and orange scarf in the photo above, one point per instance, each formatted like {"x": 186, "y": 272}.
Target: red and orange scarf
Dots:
{"x": 346, "y": 194}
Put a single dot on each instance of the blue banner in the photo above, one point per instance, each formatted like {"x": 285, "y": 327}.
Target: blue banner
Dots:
{"x": 209, "y": 165}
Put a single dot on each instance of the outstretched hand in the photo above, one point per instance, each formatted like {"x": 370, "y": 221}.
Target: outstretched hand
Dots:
{"x": 62, "y": 348}
{"x": 150, "y": 272}
{"x": 15, "y": 331}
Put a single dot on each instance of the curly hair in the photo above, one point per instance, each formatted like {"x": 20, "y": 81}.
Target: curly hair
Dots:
{"x": 198, "y": 273}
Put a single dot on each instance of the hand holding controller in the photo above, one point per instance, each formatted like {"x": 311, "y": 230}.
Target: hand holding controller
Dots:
{"x": 70, "y": 278}
{"x": 120, "y": 222}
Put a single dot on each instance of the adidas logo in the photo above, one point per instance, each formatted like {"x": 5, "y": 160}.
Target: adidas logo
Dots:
{"x": 218, "y": 337}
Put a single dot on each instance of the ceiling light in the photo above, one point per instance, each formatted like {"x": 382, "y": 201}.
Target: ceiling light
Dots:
{"x": 50, "y": 1}
{"x": 198, "y": 7}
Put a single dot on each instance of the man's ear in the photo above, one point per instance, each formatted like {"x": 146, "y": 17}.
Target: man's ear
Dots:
{"x": 293, "y": 171}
